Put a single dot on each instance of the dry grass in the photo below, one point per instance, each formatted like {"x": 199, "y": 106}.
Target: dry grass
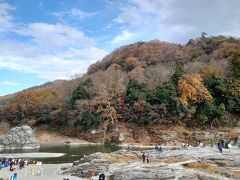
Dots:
{"x": 4, "y": 128}
{"x": 204, "y": 166}
{"x": 172, "y": 160}
{"x": 122, "y": 159}
{"x": 131, "y": 158}
{"x": 134, "y": 158}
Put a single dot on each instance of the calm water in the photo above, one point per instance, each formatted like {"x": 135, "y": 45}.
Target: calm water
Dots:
{"x": 72, "y": 152}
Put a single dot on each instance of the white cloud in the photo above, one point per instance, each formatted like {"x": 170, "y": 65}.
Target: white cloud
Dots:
{"x": 74, "y": 12}
{"x": 123, "y": 37}
{"x": 55, "y": 35}
{"x": 51, "y": 51}
{"x": 60, "y": 64}
{"x": 177, "y": 21}
{"x": 6, "y": 20}
{"x": 10, "y": 83}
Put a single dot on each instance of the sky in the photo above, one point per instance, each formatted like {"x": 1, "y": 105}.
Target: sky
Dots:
{"x": 45, "y": 40}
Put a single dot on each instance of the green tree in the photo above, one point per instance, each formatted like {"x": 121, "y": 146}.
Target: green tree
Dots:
{"x": 235, "y": 65}
{"x": 209, "y": 111}
{"x": 179, "y": 72}
{"x": 88, "y": 119}
{"x": 81, "y": 93}
{"x": 218, "y": 88}
{"x": 165, "y": 96}
{"x": 136, "y": 91}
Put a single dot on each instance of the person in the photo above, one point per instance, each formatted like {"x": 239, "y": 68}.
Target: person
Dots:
{"x": 102, "y": 176}
{"x": 160, "y": 149}
{"x": 222, "y": 142}
{"x": 200, "y": 144}
{"x": 129, "y": 148}
{"x": 21, "y": 164}
{"x": 229, "y": 146}
{"x": 11, "y": 165}
{"x": 143, "y": 157}
{"x": 220, "y": 147}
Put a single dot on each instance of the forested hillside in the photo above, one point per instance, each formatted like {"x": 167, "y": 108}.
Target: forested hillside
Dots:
{"x": 197, "y": 84}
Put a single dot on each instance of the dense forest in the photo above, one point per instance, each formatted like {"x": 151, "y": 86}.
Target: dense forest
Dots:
{"x": 197, "y": 84}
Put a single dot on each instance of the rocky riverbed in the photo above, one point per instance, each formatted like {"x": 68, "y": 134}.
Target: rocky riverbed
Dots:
{"x": 174, "y": 163}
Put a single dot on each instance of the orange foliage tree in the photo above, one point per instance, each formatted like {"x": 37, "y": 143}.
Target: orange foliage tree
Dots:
{"x": 191, "y": 89}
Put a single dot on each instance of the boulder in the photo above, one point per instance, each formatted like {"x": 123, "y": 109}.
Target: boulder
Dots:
{"x": 21, "y": 137}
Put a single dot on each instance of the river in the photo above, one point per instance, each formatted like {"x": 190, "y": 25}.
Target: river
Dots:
{"x": 72, "y": 153}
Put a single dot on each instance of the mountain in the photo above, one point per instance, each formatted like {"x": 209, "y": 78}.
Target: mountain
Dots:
{"x": 144, "y": 83}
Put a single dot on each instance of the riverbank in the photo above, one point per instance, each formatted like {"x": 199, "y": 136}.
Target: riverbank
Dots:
{"x": 31, "y": 172}
{"x": 52, "y": 139}
{"x": 31, "y": 155}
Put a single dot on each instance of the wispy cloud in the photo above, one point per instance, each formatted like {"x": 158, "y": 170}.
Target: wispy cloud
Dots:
{"x": 6, "y": 20}
{"x": 10, "y": 83}
{"x": 48, "y": 65}
{"x": 74, "y": 13}
{"x": 123, "y": 37}
{"x": 50, "y": 51}
{"x": 55, "y": 35}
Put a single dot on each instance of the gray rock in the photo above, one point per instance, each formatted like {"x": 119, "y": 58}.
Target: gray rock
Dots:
{"x": 114, "y": 168}
{"x": 21, "y": 137}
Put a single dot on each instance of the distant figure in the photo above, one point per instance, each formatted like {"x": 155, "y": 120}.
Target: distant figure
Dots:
{"x": 222, "y": 143}
{"x": 220, "y": 147}
{"x": 189, "y": 145}
{"x": 160, "y": 149}
{"x": 143, "y": 157}
{"x": 147, "y": 160}
{"x": 102, "y": 176}
{"x": 229, "y": 147}
{"x": 129, "y": 148}
{"x": 11, "y": 166}
{"x": 21, "y": 164}
{"x": 200, "y": 144}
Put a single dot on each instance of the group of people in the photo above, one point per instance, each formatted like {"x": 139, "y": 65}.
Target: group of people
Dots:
{"x": 11, "y": 163}
{"x": 222, "y": 144}
{"x": 159, "y": 149}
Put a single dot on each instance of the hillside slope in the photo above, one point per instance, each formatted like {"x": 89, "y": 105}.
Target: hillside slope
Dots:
{"x": 145, "y": 83}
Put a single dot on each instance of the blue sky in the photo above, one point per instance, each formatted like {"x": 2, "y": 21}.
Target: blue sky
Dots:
{"x": 44, "y": 40}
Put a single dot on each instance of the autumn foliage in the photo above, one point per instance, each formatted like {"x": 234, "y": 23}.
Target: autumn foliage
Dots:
{"x": 144, "y": 83}
{"x": 191, "y": 89}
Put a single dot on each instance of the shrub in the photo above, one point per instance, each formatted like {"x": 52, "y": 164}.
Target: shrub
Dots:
{"x": 165, "y": 96}
{"x": 179, "y": 72}
{"x": 136, "y": 91}
{"x": 209, "y": 111}
{"x": 217, "y": 87}
{"x": 235, "y": 65}
{"x": 45, "y": 118}
{"x": 87, "y": 120}
{"x": 81, "y": 93}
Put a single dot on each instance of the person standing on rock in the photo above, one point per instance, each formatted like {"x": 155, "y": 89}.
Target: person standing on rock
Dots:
{"x": 229, "y": 146}
{"x": 160, "y": 148}
{"x": 220, "y": 147}
{"x": 143, "y": 157}
{"x": 222, "y": 143}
